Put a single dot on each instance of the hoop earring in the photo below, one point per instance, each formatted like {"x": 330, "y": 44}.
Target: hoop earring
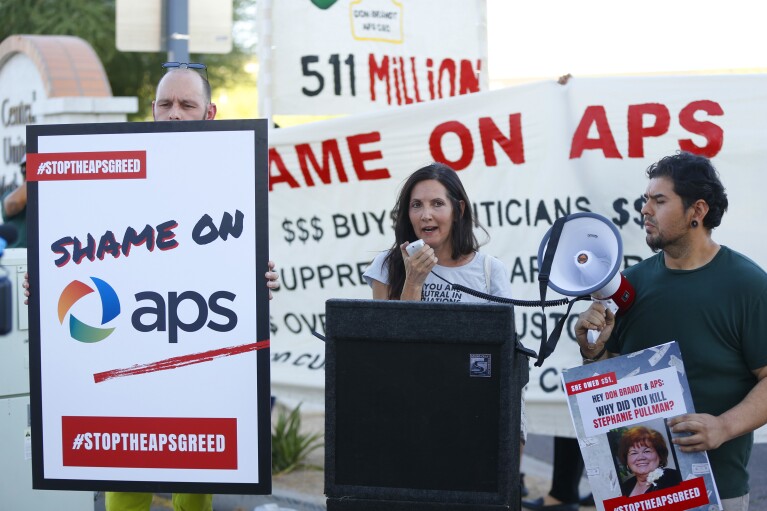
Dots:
{"x": 694, "y": 223}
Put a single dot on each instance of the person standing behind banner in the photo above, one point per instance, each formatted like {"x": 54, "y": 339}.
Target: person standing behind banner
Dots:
{"x": 183, "y": 94}
{"x": 712, "y": 301}
{"x": 433, "y": 206}
{"x": 14, "y": 207}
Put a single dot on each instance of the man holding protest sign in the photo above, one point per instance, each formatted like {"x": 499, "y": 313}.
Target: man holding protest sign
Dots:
{"x": 183, "y": 94}
{"x": 713, "y": 302}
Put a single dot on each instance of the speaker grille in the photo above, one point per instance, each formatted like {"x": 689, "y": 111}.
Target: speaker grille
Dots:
{"x": 411, "y": 416}
{"x": 407, "y": 420}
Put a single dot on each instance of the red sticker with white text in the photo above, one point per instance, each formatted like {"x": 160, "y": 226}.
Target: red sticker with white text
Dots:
{"x": 688, "y": 494}
{"x": 149, "y": 442}
{"x": 82, "y": 166}
{"x": 593, "y": 383}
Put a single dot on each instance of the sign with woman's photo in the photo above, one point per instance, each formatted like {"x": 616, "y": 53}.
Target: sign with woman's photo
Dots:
{"x": 620, "y": 408}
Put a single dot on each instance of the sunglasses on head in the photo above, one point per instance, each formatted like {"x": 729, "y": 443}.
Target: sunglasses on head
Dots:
{"x": 200, "y": 68}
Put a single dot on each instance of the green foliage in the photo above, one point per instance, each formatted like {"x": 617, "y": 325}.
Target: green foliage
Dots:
{"x": 130, "y": 73}
{"x": 92, "y": 20}
{"x": 290, "y": 447}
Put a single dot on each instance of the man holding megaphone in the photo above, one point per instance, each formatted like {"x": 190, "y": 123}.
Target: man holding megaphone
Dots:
{"x": 712, "y": 301}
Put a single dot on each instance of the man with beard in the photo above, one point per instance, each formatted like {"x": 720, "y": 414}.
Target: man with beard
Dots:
{"x": 183, "y": 94}
{"x": 712, "y": 301}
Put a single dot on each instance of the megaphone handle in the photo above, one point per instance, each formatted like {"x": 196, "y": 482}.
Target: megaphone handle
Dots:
{"x": 593, "y": 335}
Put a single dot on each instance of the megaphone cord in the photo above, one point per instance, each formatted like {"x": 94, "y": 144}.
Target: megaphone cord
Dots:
{"x": 501, "y": 299}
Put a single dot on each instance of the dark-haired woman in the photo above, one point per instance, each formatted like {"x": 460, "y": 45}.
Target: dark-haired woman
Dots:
{"x": 433, "y": 206}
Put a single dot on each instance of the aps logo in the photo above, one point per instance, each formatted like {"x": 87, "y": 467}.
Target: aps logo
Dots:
{"x": 110, "y": 309}
{"x": 188, "y": 311}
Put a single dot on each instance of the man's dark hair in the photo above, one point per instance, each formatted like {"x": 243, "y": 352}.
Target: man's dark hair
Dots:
{"x": 694, "y": 178}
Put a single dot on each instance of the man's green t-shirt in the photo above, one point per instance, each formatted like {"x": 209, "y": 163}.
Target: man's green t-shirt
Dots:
{"x": 718, "y": 316}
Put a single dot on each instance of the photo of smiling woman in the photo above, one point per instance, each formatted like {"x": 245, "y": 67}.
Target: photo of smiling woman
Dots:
{"x": 643, "y": 455}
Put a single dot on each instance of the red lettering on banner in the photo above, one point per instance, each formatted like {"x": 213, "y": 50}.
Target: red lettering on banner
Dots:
{"x": 637, "y": 131}
{"x": 594, "y": 115}
{"x": 447, "y": 66}
{"x": 688, "y": 494}
{"x": 149, "y": 442}
{"x": 464, "y": 137}
{"x": 710, "y": 131}
{"x": 86, "y": 165}
{"x": 512, "y": 145}
{"x": 283, "y": 174}
{"x": 329, "y": 150}
{"x": 359, "y": 157}
{"x": 405, "y": 95}
{"x": 430, "y": 77}
{"x": 459, "y": 78}
{"x": 397, "y": 88}
{"x": 489, "y": 133}
{"x": 415, "y": 81}
{"x": 381, "y": 73}
{"x": 469, "y": 80}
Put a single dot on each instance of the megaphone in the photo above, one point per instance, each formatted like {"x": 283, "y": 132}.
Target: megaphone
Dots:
{"x": 587, "y": 261}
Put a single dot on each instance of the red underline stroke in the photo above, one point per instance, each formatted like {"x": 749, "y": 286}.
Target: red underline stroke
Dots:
{"x": 176, "y": 362}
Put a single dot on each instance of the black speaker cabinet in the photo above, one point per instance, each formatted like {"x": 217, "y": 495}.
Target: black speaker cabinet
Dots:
{"x": 422, "y": 405}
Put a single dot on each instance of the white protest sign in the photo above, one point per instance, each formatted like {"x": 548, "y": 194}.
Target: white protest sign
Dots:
{"x": 149, "y": 328}
{"x": 623, "y": 401}
{"x": 633, "y": 400}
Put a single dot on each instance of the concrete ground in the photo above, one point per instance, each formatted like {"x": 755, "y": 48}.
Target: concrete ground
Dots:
{"x": 302, "y": 490}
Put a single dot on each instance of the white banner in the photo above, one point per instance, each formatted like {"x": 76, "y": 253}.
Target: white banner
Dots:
{"x": 526, "y": 156}
{"x": 350, "y": 56}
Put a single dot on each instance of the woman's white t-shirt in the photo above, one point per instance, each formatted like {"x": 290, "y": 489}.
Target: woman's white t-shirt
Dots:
{"x": 483, "y": 273}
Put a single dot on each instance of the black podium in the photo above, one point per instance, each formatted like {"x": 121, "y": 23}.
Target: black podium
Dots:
{"x": 422, "y": 406}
